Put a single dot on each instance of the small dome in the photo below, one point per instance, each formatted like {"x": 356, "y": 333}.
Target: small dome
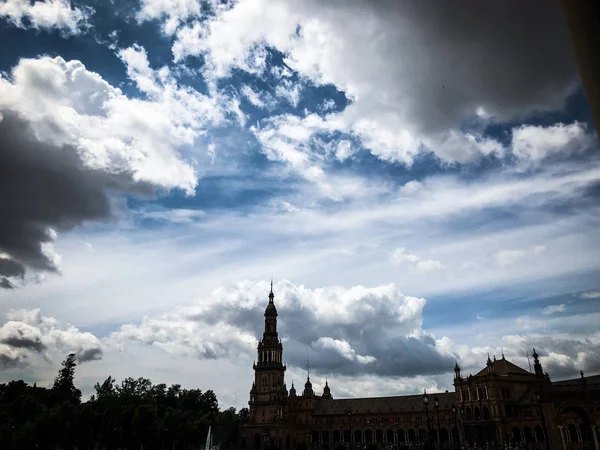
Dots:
{"x": 270, "y": 309}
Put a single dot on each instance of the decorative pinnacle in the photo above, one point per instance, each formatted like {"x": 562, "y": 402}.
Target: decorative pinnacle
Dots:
{"x": 271, "y": 295}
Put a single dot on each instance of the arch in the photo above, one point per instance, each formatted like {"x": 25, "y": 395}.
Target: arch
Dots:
{"x": 401, "y": 437}
{"x": 516, "y": 434}
{"x": 569, "y": 412}
{"x": 357, "y": 436}
{"x": 434, "y": 435}
{"x": 422, "y": 435}
{"x": 455, "y": 435}
{"x": 257, "y": 442}
{"x": 368, "y": 436}
{"x": 539, "y": 434}
{"x": 336, "y": 436}
{"x": 477, "y": 413}
{"x": 468, "y": 413}
{"x": 528, "y": 432}
{"x": 325, "y": 435}
{"x": 389, "y": 436}
{"x": 444, "y": 435}
{"x": 412, "y": 436}
{"x": 378, "y": 436}
{"x": 486, "y": 413}
{"x": 347, "y": 435}
{"x": 315, "y": 437}
{"x": 572, "y": 432}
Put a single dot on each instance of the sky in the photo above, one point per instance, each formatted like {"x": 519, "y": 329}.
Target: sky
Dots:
{"x": 421, "y": 182}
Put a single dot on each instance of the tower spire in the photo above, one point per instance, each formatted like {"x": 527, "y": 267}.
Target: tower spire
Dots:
{"x": 271, "y": 295}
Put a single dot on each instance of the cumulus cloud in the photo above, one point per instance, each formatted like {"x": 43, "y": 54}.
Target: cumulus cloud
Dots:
{"x": 172, "y": 13}
{"x": 416, "y": 103}
{"x": 345, "y": 330}
{"x": 562, "y": 357}
{"x": 28, "y": 337}
{"x": 73, "y": 137}
{"x": 536, "y": 143}
{"x": 46, "y": 14}
{"x": 591, "y": 294}
{"x": 402, "y": 256}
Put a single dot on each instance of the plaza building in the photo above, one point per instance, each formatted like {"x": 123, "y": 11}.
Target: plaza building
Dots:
{"x": 501, "y": 406}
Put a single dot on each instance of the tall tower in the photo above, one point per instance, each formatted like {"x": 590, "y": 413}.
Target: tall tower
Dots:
{"x": 268, "y": 394}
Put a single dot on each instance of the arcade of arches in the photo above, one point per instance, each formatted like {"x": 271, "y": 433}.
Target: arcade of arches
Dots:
{"x": 500, "y": 405}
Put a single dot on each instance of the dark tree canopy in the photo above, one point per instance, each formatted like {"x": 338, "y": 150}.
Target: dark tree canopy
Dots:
{"x": 134, "y": 414}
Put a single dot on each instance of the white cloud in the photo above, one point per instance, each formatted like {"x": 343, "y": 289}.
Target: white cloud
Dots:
{"x": 69, "y": 105}
{"x": 344, "y": 150}
{"x": 29, "y": 338}
{"x": 535, "y": 143}
{"x": 343, "y": 348}
{"x": 172, "y": 12}
{"x": 401, "y": 256}
{"x": 327, "y": 320}
{"x": 46, "y": 14}
{"x": 553, "y": 309}
{"x": 415, "y": 102}
{"x": 591, "y": 294}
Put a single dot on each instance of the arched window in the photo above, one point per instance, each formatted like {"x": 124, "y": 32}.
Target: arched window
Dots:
{"x": 347, "y": 435}
{"x": 486, "y": 413}
{"x": 477, "y": 413}
{"x": 573, "y": 433}
{"x": 516, "y": 434}
{"x": 468, "y": 413}
{"x": 401, "y": 437}
{"x": 539, "y": 434}
{"x": 389, "y": 436}
{"x": 336, "y": 436}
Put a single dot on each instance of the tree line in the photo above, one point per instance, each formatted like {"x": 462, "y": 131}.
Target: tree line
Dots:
{"x": 133, "y": 415}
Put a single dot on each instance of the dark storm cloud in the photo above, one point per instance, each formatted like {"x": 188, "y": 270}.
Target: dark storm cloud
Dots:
{"x": 26, "y": 342}
{"x": 91, "y": 354}
{"x": 10, "y": 362}
{"x": 43, "y": 187}
{"x": 512, "y": 57}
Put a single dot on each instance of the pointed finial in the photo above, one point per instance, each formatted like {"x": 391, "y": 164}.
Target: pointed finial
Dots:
{"x": 581, "y": 372}
{"x": 534, "y": 354}
{"x": 271, "y": 295}
{"x": 502, "y": 354}
{"x": 327, "y": 385}
{"x": 489, "y": 361}
{"x": 494, "y": 358}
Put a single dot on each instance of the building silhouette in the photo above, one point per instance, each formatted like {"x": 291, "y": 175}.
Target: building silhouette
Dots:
{"x": 500, "y": 406}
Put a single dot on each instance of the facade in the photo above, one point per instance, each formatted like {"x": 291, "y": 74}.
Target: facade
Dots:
{"x": 501, "y": 406}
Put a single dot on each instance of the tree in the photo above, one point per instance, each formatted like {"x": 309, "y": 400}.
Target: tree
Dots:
{"x": 64, "y": 385}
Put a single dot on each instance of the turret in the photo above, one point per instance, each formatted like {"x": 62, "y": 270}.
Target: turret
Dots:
{"x": 537, "y": 366}
{"x": 327, "y": 391}
{"x": 308, "y": 390}
{"x": 456, "y": 371}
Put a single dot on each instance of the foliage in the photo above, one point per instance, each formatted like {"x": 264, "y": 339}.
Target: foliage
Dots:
{"x": 133, "y": 415}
